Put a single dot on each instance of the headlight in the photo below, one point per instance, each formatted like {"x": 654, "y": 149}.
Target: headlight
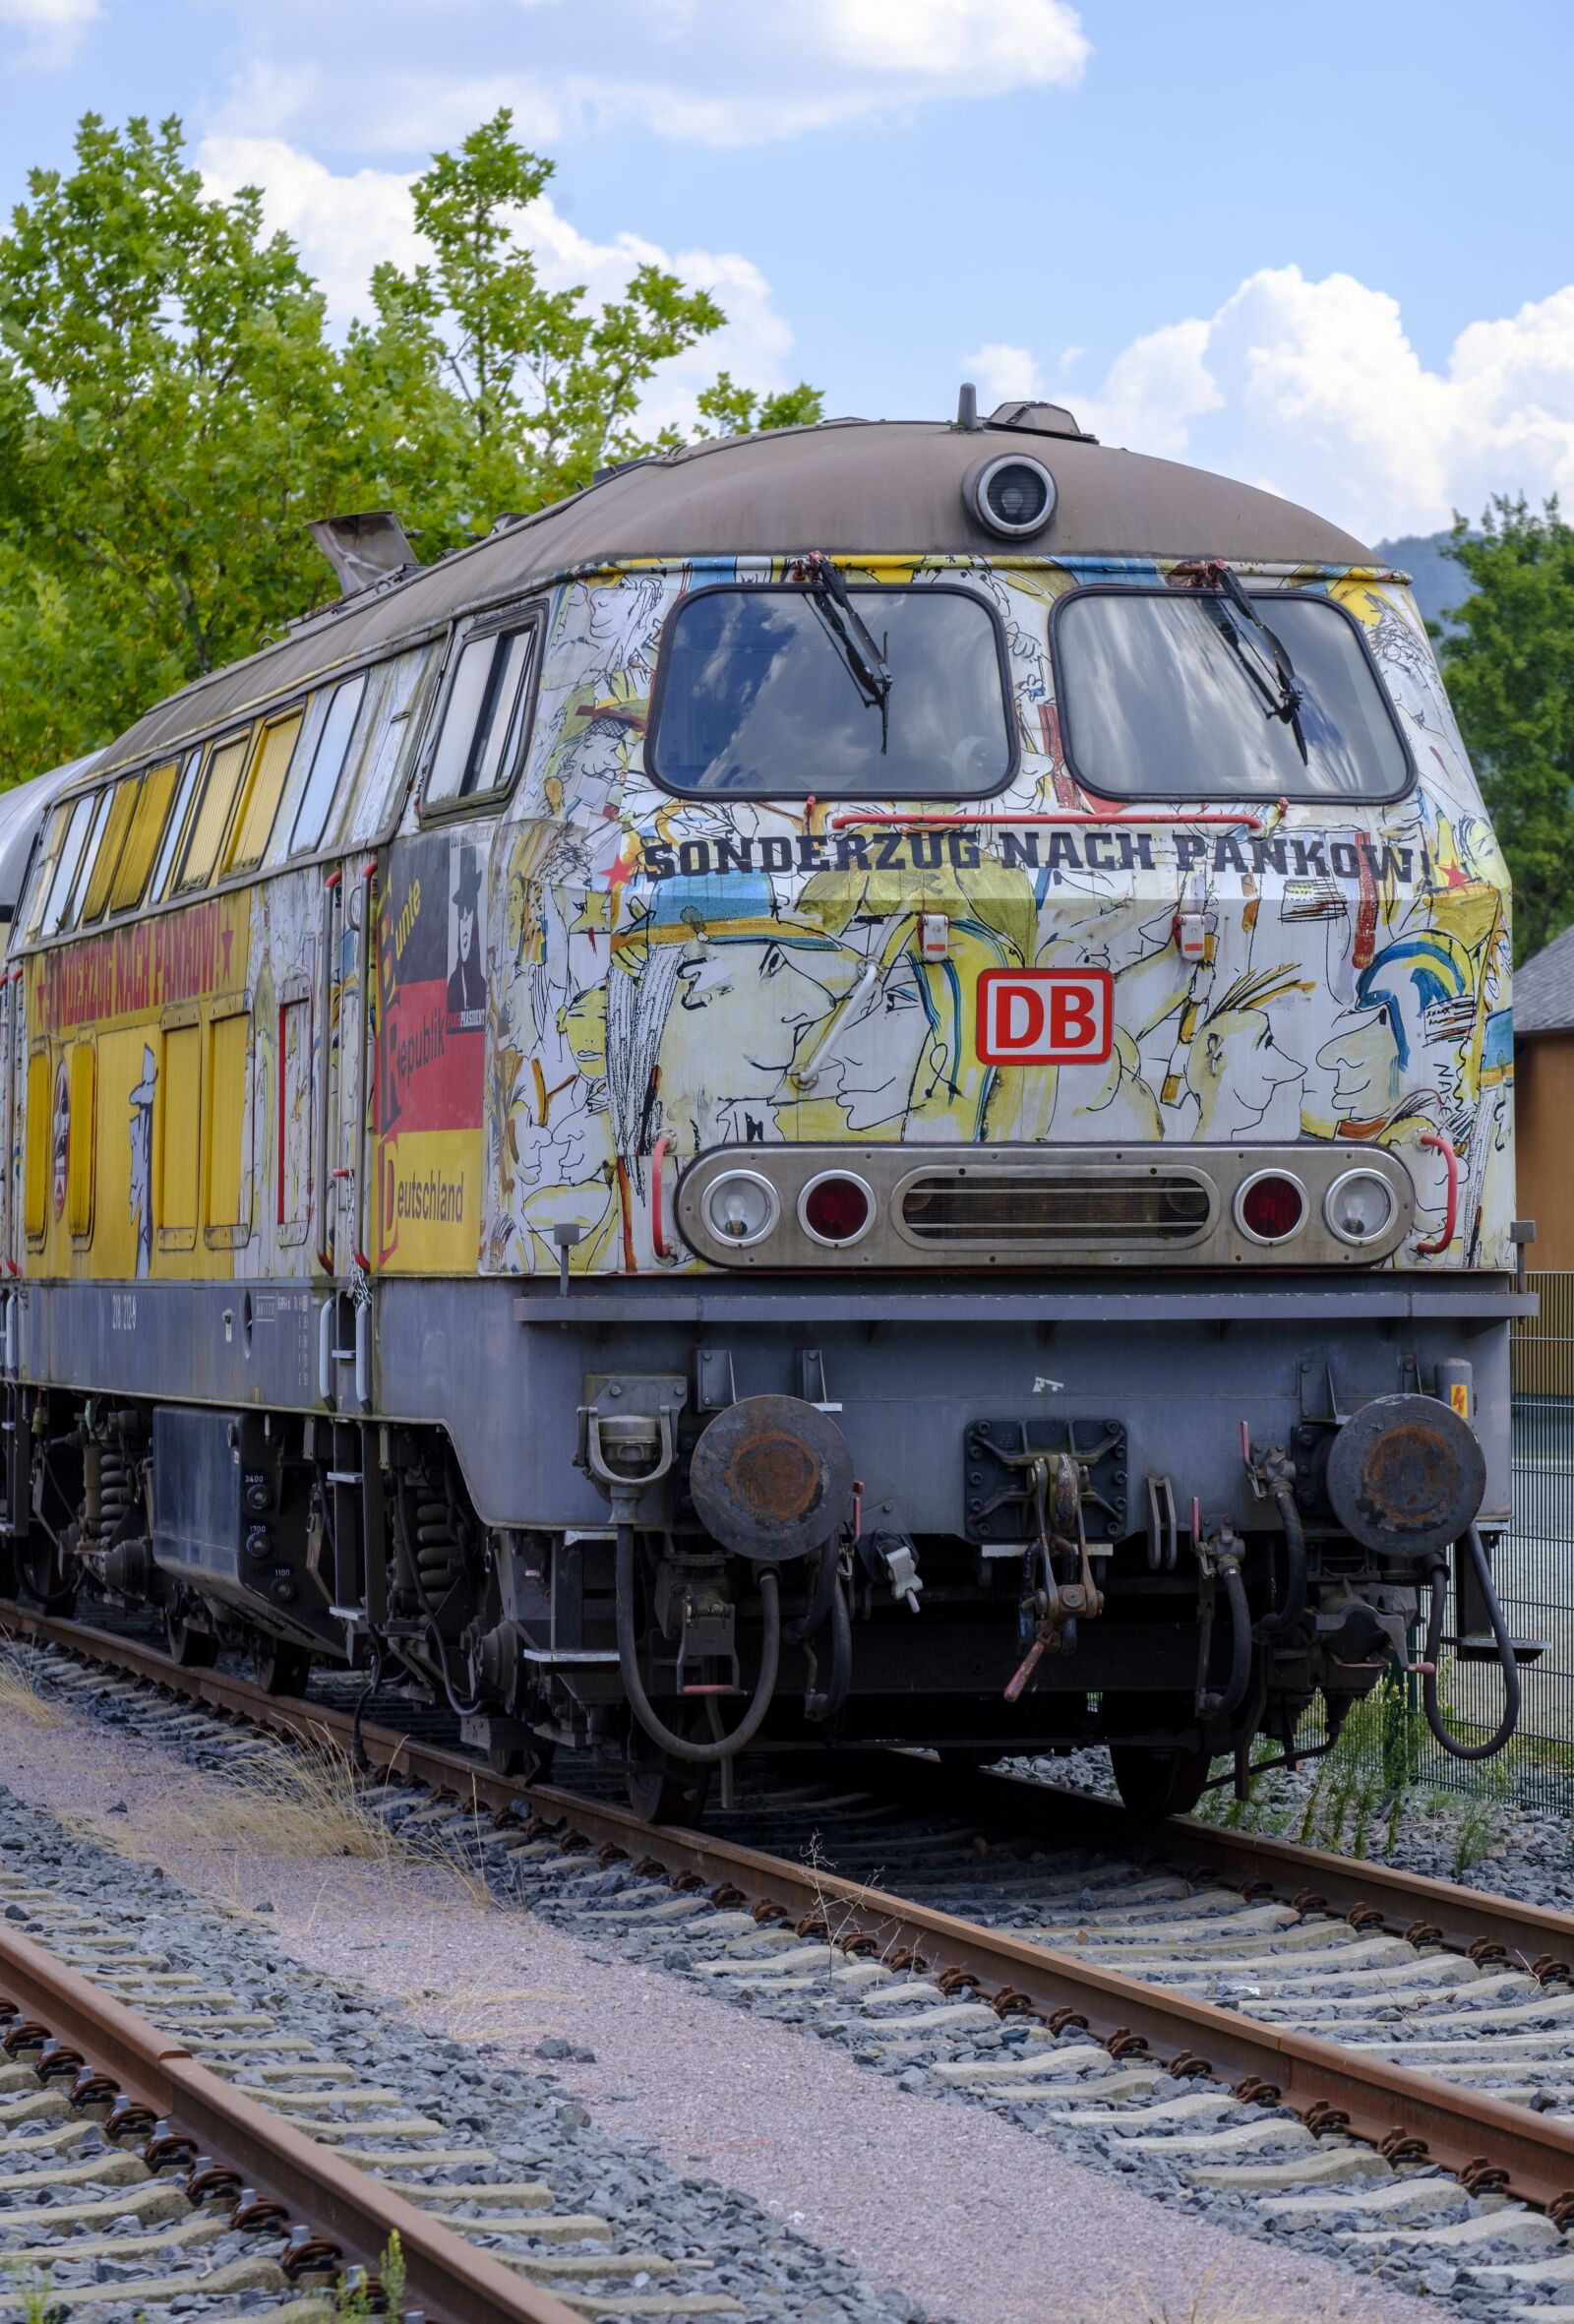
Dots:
{"x": 1360, "y": 1206}
{"x": 741, "y": 1207}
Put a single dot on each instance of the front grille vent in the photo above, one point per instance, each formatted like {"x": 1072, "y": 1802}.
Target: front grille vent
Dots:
{"x": 973, "y": 1205}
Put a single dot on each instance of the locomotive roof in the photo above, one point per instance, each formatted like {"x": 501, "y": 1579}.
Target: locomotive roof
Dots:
{"x": 887, "y": 487}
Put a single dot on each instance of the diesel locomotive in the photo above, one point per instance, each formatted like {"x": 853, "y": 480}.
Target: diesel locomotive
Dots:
{"x": 856, "y": 1087}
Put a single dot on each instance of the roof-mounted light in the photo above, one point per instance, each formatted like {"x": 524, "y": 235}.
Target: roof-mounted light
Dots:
{"x": 1010, "y": 496}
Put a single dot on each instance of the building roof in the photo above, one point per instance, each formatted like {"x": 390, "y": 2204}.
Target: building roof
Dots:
{"x": 876, "y": 487}
{"x": 1544, "y": 989}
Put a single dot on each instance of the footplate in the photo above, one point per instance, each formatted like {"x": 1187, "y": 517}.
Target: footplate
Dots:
{"x": 1001, "y": 1454}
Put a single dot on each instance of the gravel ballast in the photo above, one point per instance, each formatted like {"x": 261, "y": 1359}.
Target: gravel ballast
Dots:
{"x": 972, "y": 2214}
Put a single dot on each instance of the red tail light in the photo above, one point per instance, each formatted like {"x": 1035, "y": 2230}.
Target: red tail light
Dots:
{"x": 836, "y": 1208}
{"x": 1271, "y": 1207}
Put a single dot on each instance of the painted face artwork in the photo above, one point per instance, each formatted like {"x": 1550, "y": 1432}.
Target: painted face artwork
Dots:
{"x": 726, "y": 969}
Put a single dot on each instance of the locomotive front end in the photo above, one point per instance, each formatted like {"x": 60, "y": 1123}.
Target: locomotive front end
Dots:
{"x": 1057, "y": 1058}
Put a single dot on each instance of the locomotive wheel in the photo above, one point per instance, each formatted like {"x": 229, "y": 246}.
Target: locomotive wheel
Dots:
{"x": 661, "y": 1789}
{"x": 1153, "y": 1784}
{"x": 191, "y": 1648}
{"x": 282, "y": 1667}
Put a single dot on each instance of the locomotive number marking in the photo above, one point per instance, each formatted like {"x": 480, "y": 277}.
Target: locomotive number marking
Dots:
{"x": 1045, "y": 1016}
{"x": 122, "y": 1311}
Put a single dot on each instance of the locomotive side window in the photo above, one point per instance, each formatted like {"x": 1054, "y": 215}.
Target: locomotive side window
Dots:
{"x": 210, "y": 818}
{"x": 41, "y": 879}
{"x": 380, "y": 765}
{"x": 1180, "y": 694}
{"x": 141, "y": 840}
{"x": 485, "y": 719}
{"x": 327, "y": 765}
{"x": 176, "y": 824}
{"x": 265, "y": 785}
{"x": 121, "y": 806}
{"x": 72, "y": 914}
{"x": 66, "y": 863}
{"x": 775, "y": 692}
{"x": 179, "y": 1134}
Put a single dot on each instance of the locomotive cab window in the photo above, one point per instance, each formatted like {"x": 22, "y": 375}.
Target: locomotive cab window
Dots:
{"x": 486, "y": 719}
{"x": 1196, "y": 694}
{"x": 780, "y": 691}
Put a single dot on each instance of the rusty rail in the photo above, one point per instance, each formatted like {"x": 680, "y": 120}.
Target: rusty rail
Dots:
{"x": 456, "y": 2281}
{"x": 1486, "y": 2140}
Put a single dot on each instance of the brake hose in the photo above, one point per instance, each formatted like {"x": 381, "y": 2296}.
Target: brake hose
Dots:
{"x": 1505, "y": 1648}
{"x": 826, "y": 1704}
{"x": 811, "y": 1620}
{"x": 1275, "y": 1625}
{"x": 1210, "y": 1706}
{"x": 727, "y": 1745}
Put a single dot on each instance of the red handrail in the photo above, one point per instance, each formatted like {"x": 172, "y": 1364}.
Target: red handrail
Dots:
{"x": 658, "y": 1238}
{"x": 1443, "y": 1146}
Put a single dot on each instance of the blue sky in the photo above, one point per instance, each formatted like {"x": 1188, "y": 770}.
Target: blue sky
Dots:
{"x": 1323, "y": 247}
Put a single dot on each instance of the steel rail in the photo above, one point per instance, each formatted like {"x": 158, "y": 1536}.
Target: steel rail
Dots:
{"x": 1372, "y": 1897}
{"x": 1488, "y": 2141}
{"x": 454, "y": 2280}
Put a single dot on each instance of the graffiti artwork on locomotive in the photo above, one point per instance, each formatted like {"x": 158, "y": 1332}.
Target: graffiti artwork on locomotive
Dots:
{"x": 855, "y": 1086}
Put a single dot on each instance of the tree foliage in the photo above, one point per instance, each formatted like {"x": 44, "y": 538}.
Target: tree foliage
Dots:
{"x": 173, "y": 409}
{"x": 1509, "y": 664}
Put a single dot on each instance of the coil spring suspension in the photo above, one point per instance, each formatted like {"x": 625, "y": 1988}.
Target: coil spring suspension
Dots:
{"x": 117, "y": 1488}
{"x": 437, "y": 1552}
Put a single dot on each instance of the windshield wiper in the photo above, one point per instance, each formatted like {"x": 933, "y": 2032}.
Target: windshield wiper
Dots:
{"x": 865, "y": 662}
{"x": 1259, "y": 652}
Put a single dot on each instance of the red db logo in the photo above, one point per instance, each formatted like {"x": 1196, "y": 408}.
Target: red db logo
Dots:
{"x": 1045, "y": 1016}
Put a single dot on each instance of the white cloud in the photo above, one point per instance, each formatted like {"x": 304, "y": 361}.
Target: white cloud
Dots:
{"x": 347, "y": 226}
{"x": 707, "y": 71}
{"x": 1313, "y": 389}
{"x": 1003, "y": 374}
{"x": 1001, "y": 43}
{"x": 51, "y": 30}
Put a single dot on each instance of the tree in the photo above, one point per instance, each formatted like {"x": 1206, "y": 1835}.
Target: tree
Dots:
{"x": 1510, "y": 670}
{"x": 172, "y": 411}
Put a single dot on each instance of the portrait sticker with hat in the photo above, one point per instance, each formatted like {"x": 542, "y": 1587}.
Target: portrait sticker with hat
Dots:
{"x": 466, "y": 1011}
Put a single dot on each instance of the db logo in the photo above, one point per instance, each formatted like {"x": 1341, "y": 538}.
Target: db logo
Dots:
{"x": 1045, "y": 1016}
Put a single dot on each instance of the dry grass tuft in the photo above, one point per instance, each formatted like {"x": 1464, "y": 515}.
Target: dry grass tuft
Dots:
{"x": 291, "y": 1802}
{"x": 20, "y": 1693}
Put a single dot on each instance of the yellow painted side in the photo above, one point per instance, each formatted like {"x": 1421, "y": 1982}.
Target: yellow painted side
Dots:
{"x": 82, "y": 1141}
{"x": 265, "y": 784}
{"x": 147, "y": 830}
{"x": 226, "y": 1212}
{"x": 220, "y": 782}
{"x": 40, "y": 1091}
{"x": 178, "y": 1120}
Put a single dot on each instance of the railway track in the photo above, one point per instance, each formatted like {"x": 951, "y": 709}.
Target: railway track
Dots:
{"x": 1158, "y": 1996}
{"x": 136, "y": 2175}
